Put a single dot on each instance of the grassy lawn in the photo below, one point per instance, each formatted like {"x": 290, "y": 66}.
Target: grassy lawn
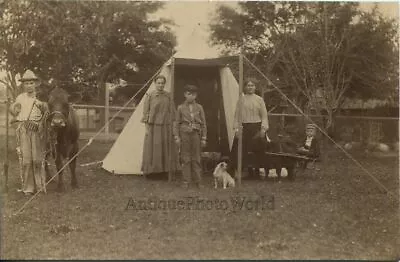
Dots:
{"x": 337, "y": 213}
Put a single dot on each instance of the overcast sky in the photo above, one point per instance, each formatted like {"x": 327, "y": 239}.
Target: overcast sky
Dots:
{"x": 192, "y": 20}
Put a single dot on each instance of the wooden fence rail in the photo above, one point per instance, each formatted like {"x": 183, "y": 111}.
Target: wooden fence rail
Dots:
{"x": 89, "y": 117}
{"x": 355, "y": 128}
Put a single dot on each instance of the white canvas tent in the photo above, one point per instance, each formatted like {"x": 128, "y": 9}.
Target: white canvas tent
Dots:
{"x": 218, "y": 93}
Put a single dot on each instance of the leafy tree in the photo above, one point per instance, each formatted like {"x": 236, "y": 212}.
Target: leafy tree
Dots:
{"x": 82, "y": 44}
{"x": 12, "y": 43}
{"x": 318, "y": 53}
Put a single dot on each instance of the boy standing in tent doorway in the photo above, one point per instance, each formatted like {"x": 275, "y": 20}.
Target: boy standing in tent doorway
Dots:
{"x": 190, "y": 132}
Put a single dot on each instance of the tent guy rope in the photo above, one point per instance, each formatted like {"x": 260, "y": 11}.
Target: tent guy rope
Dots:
{"x": 155, "y": 74}
{"x": 104, "y": 126}
{"x": 90, "y": 140}
{"x": 321, "y": 130}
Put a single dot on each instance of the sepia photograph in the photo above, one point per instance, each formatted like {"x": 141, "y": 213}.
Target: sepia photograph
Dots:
{"x": 251, "y": 130}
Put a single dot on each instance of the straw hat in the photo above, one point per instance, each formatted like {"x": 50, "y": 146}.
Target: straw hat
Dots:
{"x": 28, "y": 75}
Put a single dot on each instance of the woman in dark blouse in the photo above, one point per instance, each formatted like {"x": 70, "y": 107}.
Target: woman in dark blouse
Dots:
{"x": 158, "y": 114}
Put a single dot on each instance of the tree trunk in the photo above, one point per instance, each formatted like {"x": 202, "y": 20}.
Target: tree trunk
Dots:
{"x": 330, "y": 124}
{"x": 101, "y": 85}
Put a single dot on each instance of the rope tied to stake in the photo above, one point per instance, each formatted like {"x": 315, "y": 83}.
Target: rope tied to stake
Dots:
{"x": 90, "y": 140}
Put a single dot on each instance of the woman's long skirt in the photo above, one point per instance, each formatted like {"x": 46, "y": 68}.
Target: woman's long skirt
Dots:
{"x": 156, "y": 151}
{"x": 249, "y": 144}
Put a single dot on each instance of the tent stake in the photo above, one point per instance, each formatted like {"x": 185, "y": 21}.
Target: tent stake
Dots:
{"x": 240, "y": 133}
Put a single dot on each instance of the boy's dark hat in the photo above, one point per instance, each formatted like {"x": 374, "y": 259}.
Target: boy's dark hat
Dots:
{"x": 311, "y": 126}
{"x": 190, "y": 88}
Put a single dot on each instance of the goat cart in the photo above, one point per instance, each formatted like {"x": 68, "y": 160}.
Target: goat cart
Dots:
{"x": 294, "y": 163}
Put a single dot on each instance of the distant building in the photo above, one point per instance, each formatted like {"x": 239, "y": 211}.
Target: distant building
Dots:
{"x": 383, "y": 128}
{"x": 370, "y": 107}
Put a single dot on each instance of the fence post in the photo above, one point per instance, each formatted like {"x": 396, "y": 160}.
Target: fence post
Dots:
{"x": 87, "y": 118}
{"x": 282, "y": 120}
{"x": 107, "y": 110}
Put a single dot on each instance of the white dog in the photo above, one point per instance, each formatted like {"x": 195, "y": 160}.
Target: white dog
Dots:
{"x": 220, "y": 175}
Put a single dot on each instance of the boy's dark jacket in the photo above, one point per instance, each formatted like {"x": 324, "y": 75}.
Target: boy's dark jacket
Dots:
{"x": 314, "y": 148}
{"x": 185, "y": 123}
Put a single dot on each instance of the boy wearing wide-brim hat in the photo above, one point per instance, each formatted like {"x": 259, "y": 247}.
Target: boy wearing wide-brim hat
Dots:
{"x": 29, "y": 112}
{"x": 190, "y": 132}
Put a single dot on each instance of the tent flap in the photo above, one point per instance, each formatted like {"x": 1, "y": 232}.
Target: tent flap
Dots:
{"x": 230, "y": 96}
{"x": 125, "y": 156}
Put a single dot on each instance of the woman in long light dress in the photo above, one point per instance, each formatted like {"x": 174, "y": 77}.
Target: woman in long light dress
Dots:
{"x": 159, "y": 154}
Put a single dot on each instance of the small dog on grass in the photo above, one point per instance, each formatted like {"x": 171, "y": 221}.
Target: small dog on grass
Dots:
{"x": 221, "y": 175}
